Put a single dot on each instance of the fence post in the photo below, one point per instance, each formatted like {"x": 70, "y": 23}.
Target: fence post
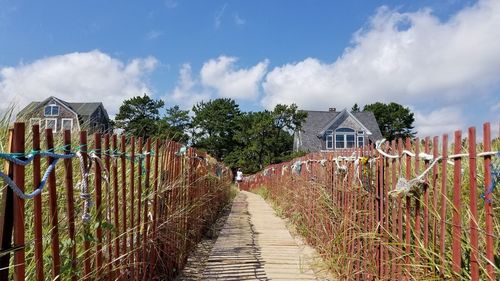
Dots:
{"x": 86, "y": 229}
{"x": 68, "y": 164}
{"x": 490, "y": 255}
{"x": 474, "y": 256}
{"x": 37, "y": 208}
{"x": 54, "y": 233}
{"x": 6, "y": 216}
{"x": 456, "y": 220}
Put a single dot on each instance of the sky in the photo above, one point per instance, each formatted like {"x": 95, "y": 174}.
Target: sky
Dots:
{"x": 439, "y": 58}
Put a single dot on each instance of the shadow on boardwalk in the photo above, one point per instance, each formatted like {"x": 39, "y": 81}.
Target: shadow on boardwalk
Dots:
{"x": 253, "y": 244}
{"x": 229, "y": 250}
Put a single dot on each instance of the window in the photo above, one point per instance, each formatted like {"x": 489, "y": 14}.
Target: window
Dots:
{"x": 67, "y": 124}
{"x": 35, "y": 121}
{"x": 361, "y": 139}
{"x": 52, "y": 110}
{"x": 51, "y": 123}
{"x": 329, "y": 139}
{"x": 344, "y": 138}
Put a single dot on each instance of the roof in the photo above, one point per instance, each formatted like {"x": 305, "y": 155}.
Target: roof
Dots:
{"x": 316, "y": 121}
{"x": 81, "y": 108}
{"x": 85, "y": 108}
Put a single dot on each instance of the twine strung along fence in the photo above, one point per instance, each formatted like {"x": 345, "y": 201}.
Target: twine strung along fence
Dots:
{"x": 114, "y": 208}
{"x": 405, "y": 210}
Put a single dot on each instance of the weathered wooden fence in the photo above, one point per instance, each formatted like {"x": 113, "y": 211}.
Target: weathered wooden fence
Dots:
{"x": 114, "y": 208}
{"x": 409, "y": 210}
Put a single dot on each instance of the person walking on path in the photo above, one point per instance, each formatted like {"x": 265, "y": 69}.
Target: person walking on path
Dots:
{"x": 239, "y": 177}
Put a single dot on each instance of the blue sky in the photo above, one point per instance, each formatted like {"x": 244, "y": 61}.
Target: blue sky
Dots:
{"x": 440, "y": 58}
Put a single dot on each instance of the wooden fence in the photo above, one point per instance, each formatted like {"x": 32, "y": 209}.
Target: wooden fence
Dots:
{"x": 115, "y": 208}
{"x": 411, "y": 210}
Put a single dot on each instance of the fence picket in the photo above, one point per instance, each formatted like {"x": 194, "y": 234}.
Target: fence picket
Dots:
{"x": 54, "y": 231}
{"x": 37, "y": 208}
{"x": 70, "y": 203}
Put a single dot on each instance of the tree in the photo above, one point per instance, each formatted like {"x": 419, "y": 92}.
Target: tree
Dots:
{"x": 355, "y": 108}
{"x": 214, "y": 126}
{"x": 394, "y": 120}
{"x": 139, "y": 116}
{"x": 175, "y": 124}
{"x": 264, "y": 137}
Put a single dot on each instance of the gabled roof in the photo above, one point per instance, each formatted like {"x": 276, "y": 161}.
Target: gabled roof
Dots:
{"x": 85, "y": 108}
{"x": 80, "y": 108}
{"x": 317, "y": 121}
{"x": 342, "y": 113}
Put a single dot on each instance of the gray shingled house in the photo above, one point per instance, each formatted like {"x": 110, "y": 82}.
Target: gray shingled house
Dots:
{"x": 61, "y": 115}
{"x": 332, "y": 130}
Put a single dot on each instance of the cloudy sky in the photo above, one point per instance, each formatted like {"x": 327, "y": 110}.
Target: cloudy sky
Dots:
{"x": 440, "y": 58}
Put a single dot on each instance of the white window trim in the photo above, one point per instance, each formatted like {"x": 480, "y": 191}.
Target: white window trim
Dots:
{"x": 344, "y": 134}
{"x": 332, "y": 141}
{"x": 358, "y": 137}
{"x": 33, "y": 123}
{"x": 62, "y": 123}
{"x": 55, "y": 123}
{"x": 52, "y": 105}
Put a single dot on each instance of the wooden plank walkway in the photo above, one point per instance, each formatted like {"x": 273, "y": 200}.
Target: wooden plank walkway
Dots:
{"x": 255, "y": 244}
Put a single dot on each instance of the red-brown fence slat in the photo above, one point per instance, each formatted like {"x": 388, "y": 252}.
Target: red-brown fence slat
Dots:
{"x": 70, "y": 203}
{"x": 426, "y": 198}
{"x": 107, "y": 208}
{"x": 474, "y": 236}
{"x": 155, "y": 204}
{"x": 417, "y": 204}
{"x": 456, "y": 246}
{"x": 132, "y": 226}
{"x": 116, "y": 203}
{"x": 444, "y": 174}
{"x": 7, "y": 214}
{"x": 408, "y": 246}
{"x": 98, "y": 203}
{"x": 54, "y": 231}
{"x": 86, "y": 228}
{"x": 488, "y": 207}
{"x": 18, "y": 206}
{"x": 123, "y": 180}
{"x": 145, "y": 235}
{"x": 435, "y": 195}
{"x": 37, "y": 208}
{"x": 139, "y": 227}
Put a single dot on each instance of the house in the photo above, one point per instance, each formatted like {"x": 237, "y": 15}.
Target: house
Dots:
{"x": 331, "y": 130}
{"x": 61, "y": 115}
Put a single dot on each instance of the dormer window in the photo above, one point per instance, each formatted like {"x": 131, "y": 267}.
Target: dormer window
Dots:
{"x": 51, "y": 110}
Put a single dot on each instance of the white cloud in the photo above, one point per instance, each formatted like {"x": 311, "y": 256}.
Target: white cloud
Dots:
{"x": 437, "y": 122}
{"x": 154, "y": 34}
{"x": 238, "y": 20}
{"x": 402, "y": 57}
{"x": 171, "y": 4}
{"x": 219, "y": 15}
{"x": 187, "y": 92}
{"x": 234, "y": 83}
{"x": 76, "y": 77}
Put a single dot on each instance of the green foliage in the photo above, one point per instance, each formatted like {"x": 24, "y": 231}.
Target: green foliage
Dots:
{"x": 214, "y": 126}
{"x": 264, "y": 137}
{"x": 394, "y": 120}
{"x": 139, "y": 116}
{"x": 355, "y": 108}
{"x": 175, "y": 124}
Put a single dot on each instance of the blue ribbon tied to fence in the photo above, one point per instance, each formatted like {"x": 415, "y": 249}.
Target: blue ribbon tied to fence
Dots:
{"x": 23, "y": 160}
{"x": 495, "y": 177}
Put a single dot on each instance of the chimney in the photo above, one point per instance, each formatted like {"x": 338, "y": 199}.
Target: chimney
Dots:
{"x": 332, "y": 109}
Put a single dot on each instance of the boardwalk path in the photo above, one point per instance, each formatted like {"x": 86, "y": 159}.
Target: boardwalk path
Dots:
{"x": 254, "y": 244}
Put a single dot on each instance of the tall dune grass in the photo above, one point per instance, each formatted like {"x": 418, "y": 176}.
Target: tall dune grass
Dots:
{"x": 188, "y": 203}
{"x": 350, "y": 238}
